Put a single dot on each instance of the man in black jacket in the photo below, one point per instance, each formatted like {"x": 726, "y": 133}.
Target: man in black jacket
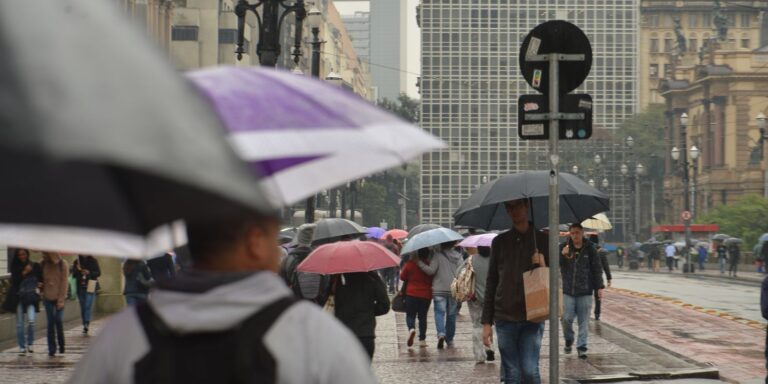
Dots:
{"x": 359, "y": 298}
{"x": 607, "y": 269}
{"x": 582, "y": 273}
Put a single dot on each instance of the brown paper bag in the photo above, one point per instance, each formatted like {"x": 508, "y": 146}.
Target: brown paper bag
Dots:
{"x": 536, "y": 283}
{"x": 91, "y": 286}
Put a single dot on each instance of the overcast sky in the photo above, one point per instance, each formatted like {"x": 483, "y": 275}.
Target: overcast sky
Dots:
{"x": 414, "y": 38}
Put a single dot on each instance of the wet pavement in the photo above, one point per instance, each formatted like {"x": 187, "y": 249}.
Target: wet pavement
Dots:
{"x": 612, "y": 354}
{"x": 38, "y": 367}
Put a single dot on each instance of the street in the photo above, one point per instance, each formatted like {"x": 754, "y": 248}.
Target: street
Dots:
{"x": 738, "y": 298}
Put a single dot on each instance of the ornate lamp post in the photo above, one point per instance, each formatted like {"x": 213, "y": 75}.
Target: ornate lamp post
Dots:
{"x": 682, "y": 156}
{"x": 269, "y": 22}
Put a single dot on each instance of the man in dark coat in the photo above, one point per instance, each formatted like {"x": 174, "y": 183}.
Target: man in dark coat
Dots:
{"x": 162, "y": 267}
{"x": 359, "y": 298}
{"x": 607, "y": 269}
{"x": 582, "y": 274}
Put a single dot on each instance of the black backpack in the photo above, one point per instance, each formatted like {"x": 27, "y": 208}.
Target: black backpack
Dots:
{"x": 28, "y": 293}
{"x": 233, "y": 356}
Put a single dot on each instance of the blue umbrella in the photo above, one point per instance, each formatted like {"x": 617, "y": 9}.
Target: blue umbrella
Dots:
{"x": 430, "y": 238}
{"x": 375, "y": 232}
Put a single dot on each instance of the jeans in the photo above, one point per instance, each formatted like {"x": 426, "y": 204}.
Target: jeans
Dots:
{"x": 733, "y": 268}
{"x": 86, "y": 305}
{"x": 30, "y": 314}
{"x": 670, "y": 263}
{"x": 576, "y": 307}
{"x": 135, "y": 298}
{"x": 520, "y": 346}
{"x": 478, "y": 348}
{"x": 721, "y": 261}
{"x": 55, "y": 318}
{"x": 417, "y": 307}
{"x": 446, "y": 309}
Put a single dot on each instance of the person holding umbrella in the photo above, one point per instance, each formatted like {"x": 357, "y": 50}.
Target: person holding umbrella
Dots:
{"x": 513, "y": 253}
{"x": 442, "y": 267}
{"x": 418, "y": 296}
{"x": 734, "y": 253}
{"x": 359, "y": 298}
{"x": 722, "y": 255}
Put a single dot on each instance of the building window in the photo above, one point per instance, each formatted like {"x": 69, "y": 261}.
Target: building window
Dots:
{"x": 184, "y": 33}
{"x": 654, "y": 45}
{"x": 693, "y": 45}
{"x": 731, "y": 19}
{"x": 653, "y": 20}
{"x": 668, "y": 45}
{"x": 227, "y": 36}
{"x": 706, "y": 20}
{"x": 667, "y": 70}
{"x": 654, "y": 71}
{"x": 745, "y": 43}
{"x": 746, "y": 18}
{"x": 693, "y": 20}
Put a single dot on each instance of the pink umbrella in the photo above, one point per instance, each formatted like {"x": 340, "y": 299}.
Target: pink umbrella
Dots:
{"x": 347, "y": 257}
{"x": 475, "y": 241}
{"x": 395, "y": 233}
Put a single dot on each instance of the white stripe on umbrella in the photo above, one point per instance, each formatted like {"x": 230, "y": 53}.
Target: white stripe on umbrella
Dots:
{"x": 78, "y": 240}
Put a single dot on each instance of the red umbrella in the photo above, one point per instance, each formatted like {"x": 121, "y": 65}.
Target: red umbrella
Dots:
{"x": 395, "y": 233}
{"x": 347, "y": 257}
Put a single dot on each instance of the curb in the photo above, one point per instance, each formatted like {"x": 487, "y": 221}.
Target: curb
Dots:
{"x": 704, "y": 373}
{"x": 713, "y": 312}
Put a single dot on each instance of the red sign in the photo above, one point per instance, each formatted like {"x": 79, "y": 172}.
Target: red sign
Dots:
{"x": 686, "y": 215}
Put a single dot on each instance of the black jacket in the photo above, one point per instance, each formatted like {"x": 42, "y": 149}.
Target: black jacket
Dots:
{"x": 84, "y": 263}
{"x": 11, "y": 301}
{"x": 360, "y": 300}
{"x": 604, "y": 263}
{"x": 583, "y": 272}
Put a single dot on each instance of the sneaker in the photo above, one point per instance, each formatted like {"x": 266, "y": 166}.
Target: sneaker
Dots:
{"x": 29, "y": 349}
{"x": 490, "y": 355}
{"x": 422, "y": 343}
{"x": 61, "y": 349}
{"x": 440, "y": 342}
{"x": 568, "y": 349}
{"x": 582, "y": 353}
{"x": 411, "y": 336}
{"x": 22, "y": 351}
{"x": 85, "y": 330}
{"x": 52, "y": 354}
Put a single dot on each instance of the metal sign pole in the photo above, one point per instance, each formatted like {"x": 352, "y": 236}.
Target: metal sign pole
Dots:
{"x": 554, "y": 219}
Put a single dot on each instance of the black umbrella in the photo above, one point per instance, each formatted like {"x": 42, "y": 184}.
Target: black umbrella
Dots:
{"x": 102, "y": 143}
{"x": 485, "y": 208}
{"x": 421, "y": 228}
{"x": 649, "y": 246}
{"x": 329, "y": 229}
{"x": 721, "y": 237}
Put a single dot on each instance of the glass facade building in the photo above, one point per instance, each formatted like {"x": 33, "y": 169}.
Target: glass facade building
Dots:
{"x": 470, "y": 82}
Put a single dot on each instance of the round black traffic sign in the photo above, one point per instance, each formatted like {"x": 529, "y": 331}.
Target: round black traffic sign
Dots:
{"x": 556, "y": 36}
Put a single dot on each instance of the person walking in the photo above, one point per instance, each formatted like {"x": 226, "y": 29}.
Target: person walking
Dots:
{"x": 670, "y": 251}
{"x": 702, "y": 253}
{"x": 582, "y": 273}
{"x": 734, "y": 254}
{"x": 513, "y": 253}
{"x": 138, "y": 280}
{"x": 359, "y": 298}
{"x": 55, "y": 284}
{"x": 442, "y": 267}
{"x": 620, "y": 257}
{"x": 86, "y": 272}
{"x": 764, "y": 311}
{"x": 481, "y": 262}
{"x": 418, "y": 297}
{"x": 227, "y": 318}
{"x": 722, "y": 256}
{"x": 23, "y": 297}
{"x": 309, "y": 286}
{"x": 607, "y": 269}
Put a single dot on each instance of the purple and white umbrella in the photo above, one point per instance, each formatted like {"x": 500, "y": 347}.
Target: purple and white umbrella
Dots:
{"x": 302, "y": 135}
{"x": 482, "y": 240}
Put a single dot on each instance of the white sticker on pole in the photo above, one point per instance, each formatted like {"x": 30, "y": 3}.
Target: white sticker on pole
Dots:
{"x": 533, "y": 47}
{"x": 533, "y": 129}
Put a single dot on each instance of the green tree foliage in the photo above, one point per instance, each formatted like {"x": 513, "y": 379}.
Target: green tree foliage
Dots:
{"x": 405, "y": 107}
{"x": 745, "y": 219}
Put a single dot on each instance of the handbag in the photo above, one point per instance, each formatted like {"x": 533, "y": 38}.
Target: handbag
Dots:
{"x": 91, "y": 286}
{"x": 398, "y": 302}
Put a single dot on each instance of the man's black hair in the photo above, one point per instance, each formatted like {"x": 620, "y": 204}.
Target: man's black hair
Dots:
{"x": 210, "y": 238}
{"x": 484, "y": 251}
{"x": 576, "y": 225}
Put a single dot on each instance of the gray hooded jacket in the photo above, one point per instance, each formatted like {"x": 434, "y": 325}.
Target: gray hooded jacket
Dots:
{"x": 443, "y": 267}
{"x": 308, "y": 345}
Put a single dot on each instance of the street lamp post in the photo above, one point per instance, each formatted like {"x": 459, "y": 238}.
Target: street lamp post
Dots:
{"x": 761, "y": 124}
{"x": 629, "y": 206}
{"x": 639, "y": 172}
{"x": 269, "y": 22}
{"x": 314, "y": 17}
{"x": 682, "y": 155}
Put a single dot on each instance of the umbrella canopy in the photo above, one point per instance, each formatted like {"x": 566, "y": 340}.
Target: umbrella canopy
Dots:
{"x": 103, "y": 146}
{"x": 303, "y": 135}
{"x": 429, "y": 238}
{"x": 348, "y": 257}
{"x": 375, "y": 232}
{"x": 763, "y": 238}
{"x": 335, "y": 228}
{"x": 483, "y": 240}
{"x": 647, "y": 247}
{"x": 599, "y": 221}
{"x": 721, "y": 237}
{"x": 398, "y": 234}
{"x": 485, "y": 208}
{"x": 733, "y": 241}
{"x": 421, "y": 228}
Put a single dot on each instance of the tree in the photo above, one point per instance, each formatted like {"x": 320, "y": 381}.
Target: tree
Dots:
{"x": 405, "y": 107}
{"x": 744, "y": 219}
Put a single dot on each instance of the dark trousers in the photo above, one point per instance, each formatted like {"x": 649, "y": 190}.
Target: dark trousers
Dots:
{"x": 417, "y": 307}
{"x": 369, "y": 344}
{"x": 597, "y": 305}
{"x": 670, "y": 263}
{"x": 55, "y": 319}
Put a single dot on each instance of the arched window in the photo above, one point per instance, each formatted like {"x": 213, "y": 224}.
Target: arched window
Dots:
{"x": 669, "y": 44}
{"x": 744, "y": 41}
{"x": 654, "y": 43}
{"x": 693, "y": 43}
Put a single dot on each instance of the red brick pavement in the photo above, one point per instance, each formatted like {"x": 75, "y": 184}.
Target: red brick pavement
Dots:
{"x": 735, "y": 348}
